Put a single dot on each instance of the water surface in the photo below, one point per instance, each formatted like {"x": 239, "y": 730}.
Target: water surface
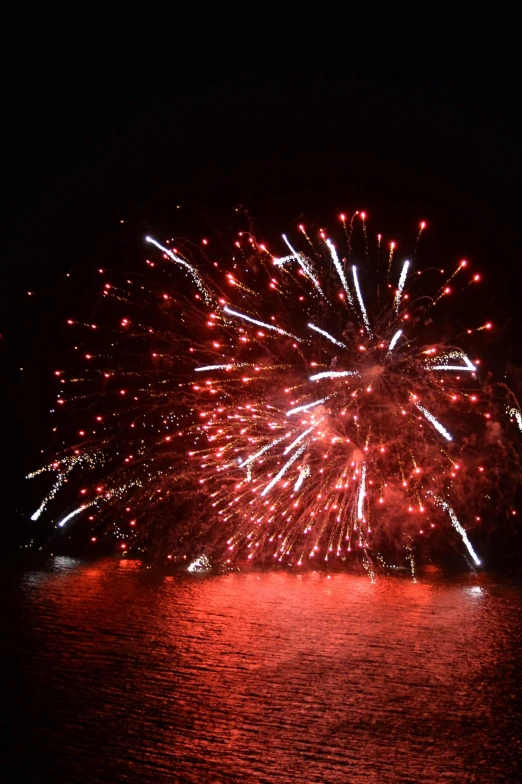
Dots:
{"x": 126, "y": 674}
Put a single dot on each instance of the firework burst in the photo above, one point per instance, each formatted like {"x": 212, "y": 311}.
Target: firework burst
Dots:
{"x": 287, "y": 407}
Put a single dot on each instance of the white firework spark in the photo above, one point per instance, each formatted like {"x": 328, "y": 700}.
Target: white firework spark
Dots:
{"x": 458, "y": 527}
{"x": 263, "y": 450}
{"x": 361, "y": 301}
{"x": 303, "y": 263}
{"x": 326, "y": 335}
{"x": 230, "y": 366}
{"x": 340, "y": 271}
{"x": 435, "y": 422}
{"x": 259, "y": 323}
{"x": 302, "y": 435}
{"x": 284, "y": 469}
{"x": 333, "y": 374}
{"x": 402, "y": 281}
{"x": 308, "y": 405}
{"x": 467, "y": 366}
{"x": 193, "y": 271}
{"x": 74, "y": 513}
{"x": 393, "y": 341}
{"x": 303, "y": 474}
{"x": 362, "y": 493}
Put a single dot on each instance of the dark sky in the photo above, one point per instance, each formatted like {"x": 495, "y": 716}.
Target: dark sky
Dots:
{"x": 126, "y": 114}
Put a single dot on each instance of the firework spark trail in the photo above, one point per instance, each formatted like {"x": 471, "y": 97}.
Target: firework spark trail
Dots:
{"x": 435, "y": 422}
{"x": 343, "y": 221}
{"x": 116, "y": 492}
{"x": 340, "y": 271}
{"x": 229, "y": 366}
{"x": 264, "y": 449}
{"x": 303, "y": 263}
{"x": 468, "y": 365}
{"x": 458, "y": 527}
{"x": 303, "y": 474}
{"x": 50, "y": 495}
{"x": 350, "y": 234}
{"x": 390, "y": 259}
{"x": 74, "y": 513}
{"x": 402, "y": 281}
{"x": 393, "y": 341}
{"x": 333, "y": 374}
{"x": 472, "y": 368}
{"x": 64, "y": 467}
{"x": 178, "y": 260}
{"x": 302, "y": 435}
{"x": 422, "y": 226}
{"x": 362, "y": 493}
{"x": 363, "y": 219}
{"x": 260, "y": 323}
{"x": 284, "y": 469}
{"x": 327, "y": 335}
{"x": 361, "y": 301}
{"x": 308, "y": 405}
{"x": 463, "y": 264}
{"x": 42, "y": 506}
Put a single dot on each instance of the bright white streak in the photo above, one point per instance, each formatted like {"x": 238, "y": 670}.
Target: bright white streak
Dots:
{"x": 467, "y": 366}
{"x": 301, "y": 260}
{"x": 264, "y": 449}
{"x": 284, "y": 469}
{"x": 308, "y": 405}
{"x": 39, "y": 511}
{"x": 293, "y": 250}
{"x": 451, "y": 367}
{"x": 283, "y": 259}
{"x": 362, "y": 493}
{"x": 333, "y": 374}
{"x": 303, "y": 473}
{"x": 219, "y": 367}
{"x": 393, "y": 341}
{"x": 435, "y": 422}
{"x": 340, "y": 271}
{"x": 458, "y": 527}
{"x": 402, "y": 281}
{"x": 195, "y": 274}
{"x": 51, "y": 494}
{"x": 301, "y": 436}
{"x": 64, "y": 467}
{"x": 360, "y": 299}
{"x": 72, "y": 514}
{"x": 259, "y": 323}
{"x": 326, "y": 335}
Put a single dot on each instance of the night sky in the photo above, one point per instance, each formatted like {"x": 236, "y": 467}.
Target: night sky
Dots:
{"x": 284, "y": 111}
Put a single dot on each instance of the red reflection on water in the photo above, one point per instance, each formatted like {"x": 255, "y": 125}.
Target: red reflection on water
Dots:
{"x": 268, "y": 677}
